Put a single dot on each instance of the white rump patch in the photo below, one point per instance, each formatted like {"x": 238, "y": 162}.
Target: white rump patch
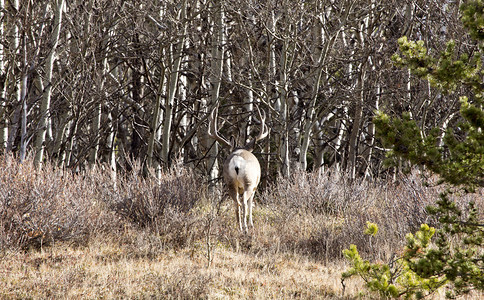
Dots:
{"x": 237, "y": 162}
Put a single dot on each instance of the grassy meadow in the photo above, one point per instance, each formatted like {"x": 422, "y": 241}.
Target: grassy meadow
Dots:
{"x": 87, "y": 236}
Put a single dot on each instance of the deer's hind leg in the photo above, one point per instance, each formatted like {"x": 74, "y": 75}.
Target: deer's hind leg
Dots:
{"x": 234, "y": 194}
{"x": 248, "y": 198}
{"x": 250, "y": 205}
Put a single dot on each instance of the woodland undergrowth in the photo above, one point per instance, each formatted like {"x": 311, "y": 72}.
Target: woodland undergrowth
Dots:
{"x": 312, "y": 214}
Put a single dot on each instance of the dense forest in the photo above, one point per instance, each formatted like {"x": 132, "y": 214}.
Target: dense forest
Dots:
{"x": 114, "y": 82}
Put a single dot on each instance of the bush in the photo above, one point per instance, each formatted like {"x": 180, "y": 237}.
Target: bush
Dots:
{"x": 161, "y": 205}
{"x": 40, "y": 206}
{"x": 320, "y": 214}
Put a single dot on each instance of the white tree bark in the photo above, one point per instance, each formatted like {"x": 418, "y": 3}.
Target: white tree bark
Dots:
{"x": 45, "y": 106}
{"x": 218, "y": 46}
{"x": 283, "y": 110}
{"x": 371, "y": 126}
{"x": 272, "y": 80}
{"x": 367, "y": 165}
{"x": 110, "y": 157}
{"x": 320, "y": 55}
{"x": 155, "y": 132}
{"x": 358, "y": 105}
{"x": 12, "y": 132}
{"x": 177, "y": 55}
{"x": 355, "y": 130}
{"x": 96, "y": 120}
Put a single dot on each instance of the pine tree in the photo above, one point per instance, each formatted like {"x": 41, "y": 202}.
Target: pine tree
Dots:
{"x": 451, "y": 255}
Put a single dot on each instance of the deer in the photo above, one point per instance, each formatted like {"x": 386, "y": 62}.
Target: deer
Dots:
{"x": 241, "y": 169}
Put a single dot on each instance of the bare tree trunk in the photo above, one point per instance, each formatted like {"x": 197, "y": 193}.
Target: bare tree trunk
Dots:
{"x": 177, "y": 55}
{"x": 286, "y": 163}
{"x": 218, "y": 46}
{"x": 272, "y": 81}
{"x": 155, "y": 132}
{"x": 45, "y": 106}
{"x": 12, "y": 132}
{"x": 249, "y": 107}
{"x": 96, "y": 120}
{"x": 345, "y": 114}
{"x": 110, "y": 157}
{"x": 72, "y": 130}
{"x": 3, "y": 86}
{"x": 60, "y": 138}
{"x": 371, "y": 129}
{"x": 320, "y": 145}
{"x": 320, "y": 56}
{"x": 358, "y": 113}
{"x": 95, "y": 127}
{"x": 443, "y": 128}
{"x": 374, "y": 62}
{"x": 355, "y": 130}
{"x": 338, "y": 144}
{"x": 23, "y": 99}
{"x": 137, "y": 91}
{"x": 317, "y": 34}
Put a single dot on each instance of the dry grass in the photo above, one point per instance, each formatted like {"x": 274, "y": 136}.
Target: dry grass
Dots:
{"x": 85, "y": 236}
{"x": 109, "y": 270}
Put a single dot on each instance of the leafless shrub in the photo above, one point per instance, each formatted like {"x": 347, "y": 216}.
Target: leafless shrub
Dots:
{"x": 337, "y": 210}
{"x": 162, "y": 205}
{"x": 40, "y": 206}
{"x": 309, "y": 213}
